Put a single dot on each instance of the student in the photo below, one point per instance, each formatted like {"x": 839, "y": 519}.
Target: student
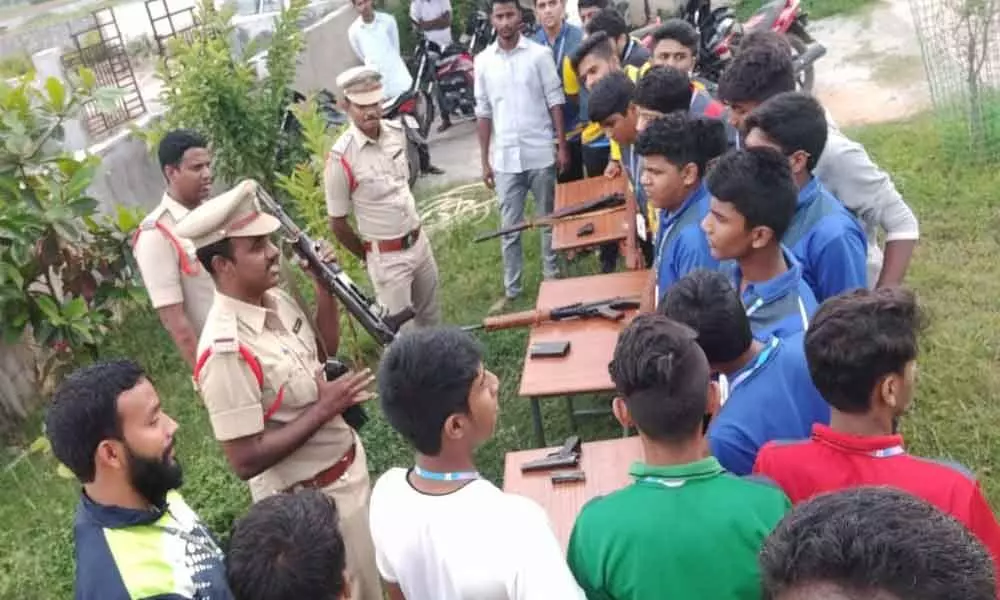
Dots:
{"x": 611, "y": 106}
{"x": 686, "y": 528}
{"x": 563, "y": 38}
{"x": 824, "y": 236}
{"x": 862, "y": 353}
{"x": 753, "y": 201}
{"x": 442, "y": 531}
{"x": 764, "y": 69}
{"x": 770, "y": 395}
{"x": 873, "y": 543}
{"x": 589, "y": 8}
{"x": 289, "y": 547}
{"x": 675, "y": 151}
{"x": 630, "y": 50}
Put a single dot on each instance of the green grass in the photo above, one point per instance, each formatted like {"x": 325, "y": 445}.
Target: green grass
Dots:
{"x": 817, "y": 9}
{"x": 958, "y": 399}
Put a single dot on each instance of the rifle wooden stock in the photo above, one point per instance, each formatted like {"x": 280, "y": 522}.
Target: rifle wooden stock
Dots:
{"x": 586, "y": 208}
{"x": 518, "y": 319}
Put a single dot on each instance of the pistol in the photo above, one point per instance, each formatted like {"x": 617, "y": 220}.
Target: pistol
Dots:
{"x": 567, "y": 456}
{"x": 354, "y": 416}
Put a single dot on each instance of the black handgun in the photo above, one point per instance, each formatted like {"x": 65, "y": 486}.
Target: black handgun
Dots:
{"x": 355, "y": 416}
{"x": 567, "y": 456}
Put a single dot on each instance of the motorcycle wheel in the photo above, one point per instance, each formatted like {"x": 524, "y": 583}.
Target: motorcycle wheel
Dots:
{"x": 805, "y": 78}
{"x": 424, "y": 113}
{"x": 413, "y": 158}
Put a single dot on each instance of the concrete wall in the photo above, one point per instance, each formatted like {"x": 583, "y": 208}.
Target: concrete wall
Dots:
{"x": 327, "y": 52}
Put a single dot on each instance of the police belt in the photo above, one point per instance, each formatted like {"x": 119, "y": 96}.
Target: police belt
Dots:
{"x": 396, "y": 245}
{"x": 329, "y": 476}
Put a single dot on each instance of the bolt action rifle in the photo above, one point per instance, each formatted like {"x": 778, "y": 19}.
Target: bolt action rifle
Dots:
{"x": 604, "y": 202}
{"x": 611, "y": 309}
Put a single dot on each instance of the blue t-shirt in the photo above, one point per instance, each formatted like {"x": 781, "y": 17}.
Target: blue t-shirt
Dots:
{"x": 828, "y": 241}
{"x": 779, "y": 307}
{"x": 772, "y": 398}
{"x": 681, "y": 245}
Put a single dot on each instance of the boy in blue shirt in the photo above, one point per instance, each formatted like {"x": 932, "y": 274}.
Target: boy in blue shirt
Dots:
{"x": 676, "y": 150}
{"x": 753, "y": 201}
{"x": 823, "y": 236}
{"x": 770, "y": 393}
{"x": 611, "y": 106}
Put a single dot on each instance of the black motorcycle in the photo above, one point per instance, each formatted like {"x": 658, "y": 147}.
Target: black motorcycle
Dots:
{"x": 446, "y": 72}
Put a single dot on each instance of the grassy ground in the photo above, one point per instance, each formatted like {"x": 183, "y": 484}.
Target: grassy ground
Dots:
{"x": 817, "y": 9}
{"x": 957, "y": 401}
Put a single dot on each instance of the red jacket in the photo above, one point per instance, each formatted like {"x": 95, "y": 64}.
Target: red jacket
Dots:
{"x": 831, "y": 461}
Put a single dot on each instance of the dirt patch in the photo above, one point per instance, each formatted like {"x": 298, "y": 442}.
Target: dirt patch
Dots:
{"x": 873, "y": 70}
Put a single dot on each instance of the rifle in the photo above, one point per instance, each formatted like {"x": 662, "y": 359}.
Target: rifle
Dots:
{"x": 366, "y": 311}
{"x": 604, "y": 202}
{"x": 611, "y": 309}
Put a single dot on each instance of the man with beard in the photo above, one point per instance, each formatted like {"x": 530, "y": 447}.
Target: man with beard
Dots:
{"x": 180, "y": 291}
{"x": 135, "y": 537}
{"x": 260, "y": 374}
{"x": 366, "y": 173}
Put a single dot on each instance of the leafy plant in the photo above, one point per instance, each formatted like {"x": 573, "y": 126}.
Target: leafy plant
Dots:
{"x": 216, "y": 90}
{"x": 62, "y": 267}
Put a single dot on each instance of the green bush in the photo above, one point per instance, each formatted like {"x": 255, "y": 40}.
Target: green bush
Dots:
{"x": 15, "y": 65}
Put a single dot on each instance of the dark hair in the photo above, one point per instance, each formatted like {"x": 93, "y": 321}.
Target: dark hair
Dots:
{"x": 663, "y": 375}
{"x": 757, "y": 73}
{"x": 794, "y": 121}
{"x": 708, "y": 303}
{"x": 758, "y": 183}
{"x": 664, "y": 89}
{"x": 859, "y": 337}
{"x": 287, "y": 547}
{"x": 598, "y": 44}
{"x": 84, "y": 412}
{"x": 871, "y": 542}
{"x": 610, "y": 22}
{"x": 591, "y": 4}
{"x": 175, "y": 143}
{"x": 766, "y": 37}
{"x": 678, "y": 30}
{"x": 425, "y": 377}
{"x": 494, "y": 3}
{"x": 205, "y": 254}
{"x": 682, "y": 139}
{"x": 611, "y": 95}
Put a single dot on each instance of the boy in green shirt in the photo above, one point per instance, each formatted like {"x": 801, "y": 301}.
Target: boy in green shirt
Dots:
{"x": 686, "y": 528}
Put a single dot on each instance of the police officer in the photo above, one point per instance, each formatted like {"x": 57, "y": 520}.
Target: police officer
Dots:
{"x": 367, "y": 172}
{"x": 259, "y": 372}
{"x": 179, "y": 289}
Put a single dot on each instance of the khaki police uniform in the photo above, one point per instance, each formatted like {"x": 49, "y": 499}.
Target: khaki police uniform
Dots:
{"x": 170, "y": 270}
{"x": 370, "y": 177}
{"x": 256, "y": 370}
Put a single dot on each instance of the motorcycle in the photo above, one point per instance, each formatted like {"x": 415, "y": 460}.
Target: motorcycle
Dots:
{"x": 405, "y": 108}
{"x": 721, "y": 33}
{"x": 479, "y": 31}
{"x": 449, "y": 70}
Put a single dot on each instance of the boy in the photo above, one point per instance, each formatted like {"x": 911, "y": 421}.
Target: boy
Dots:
{"x": 611, "y": 106}
{"x": 765, "y": 69}
{"x": 824, "y": 236}
{"x": 770, "y": 395}
{"x": 630, "y": 51}
{"x": 440, "y": 530}
{"x": 589, "y": 8}
{"x": 862, "y": 354}
{"x": 675, "y": 44}
{"x": 685, "y": 528}
{"x": 676, "y": 151}
{"x": 873, "y": 542}
{"x": 753, "y": 201}
{"x": 289, "y": 547}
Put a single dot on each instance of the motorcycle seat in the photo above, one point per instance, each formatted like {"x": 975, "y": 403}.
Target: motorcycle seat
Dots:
{"x": 769, "y": 13}
{"x": 390, "y": 105}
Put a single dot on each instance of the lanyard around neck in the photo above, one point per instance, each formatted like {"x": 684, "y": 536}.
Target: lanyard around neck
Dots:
{"x": 450, "y": 476}
{"x": 557, "y": 47}
{"x": 757, "y": 363}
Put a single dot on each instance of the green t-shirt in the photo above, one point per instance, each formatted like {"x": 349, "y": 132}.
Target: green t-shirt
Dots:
{"x": 689, "y": 532}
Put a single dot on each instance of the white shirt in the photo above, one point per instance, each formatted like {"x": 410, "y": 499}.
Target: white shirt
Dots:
{"x": 428, "y": 10}
{"x": 515, "y": 90}
{"x": 476, "y": 543}
{"x": 377, "y": 45}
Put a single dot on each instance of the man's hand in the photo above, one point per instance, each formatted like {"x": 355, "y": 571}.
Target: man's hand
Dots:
{"x": 324, "y": 250}
{"x": 614, "y": 169}
{"x": 334, "y": 397}
{"x": 488, "y": 179}
{"x": 562, "y": 156}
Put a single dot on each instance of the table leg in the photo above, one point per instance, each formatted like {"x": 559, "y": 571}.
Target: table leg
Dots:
{"x": 536, "y": 416}
{"x": 571, "y": 412}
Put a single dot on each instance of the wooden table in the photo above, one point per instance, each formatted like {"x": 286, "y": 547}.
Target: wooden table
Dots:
{"x": 610, "y": 225}
{"x": 605, "y": 465}
{"x": 592, "y": 341}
